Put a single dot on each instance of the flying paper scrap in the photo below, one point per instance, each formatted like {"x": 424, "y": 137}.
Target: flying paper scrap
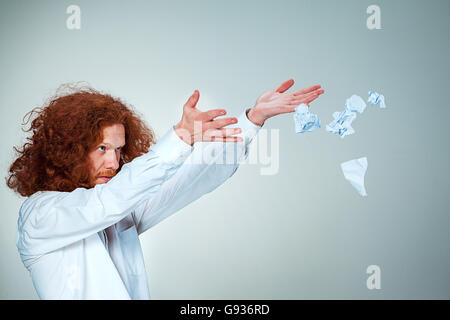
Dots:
{"x": 354, "y": 171}
{"x": 355, "y": 103}
{"x": 376, "y": 98}
{"x": 341, "y": 124}
{"x": 304, "y": 120}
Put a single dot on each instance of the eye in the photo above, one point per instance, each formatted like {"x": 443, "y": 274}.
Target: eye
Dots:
{"x": 102, "y": 148}
{"x": 119, "y": 148}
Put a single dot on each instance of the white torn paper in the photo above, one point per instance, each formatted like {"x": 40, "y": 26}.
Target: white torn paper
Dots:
{"x": 341, "y": 124}
{"x": 304, "y": 120}
{"x": 376, "y": 98}
{"x": 354, "y": 171}
{"x": 355, "y": 103}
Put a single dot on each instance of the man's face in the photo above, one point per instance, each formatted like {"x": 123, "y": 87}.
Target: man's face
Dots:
{"x": 104, "y": 159}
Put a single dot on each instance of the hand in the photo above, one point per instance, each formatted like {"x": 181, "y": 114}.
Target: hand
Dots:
{"x": 196, "y": 125}
{"x": 275, "y": 102}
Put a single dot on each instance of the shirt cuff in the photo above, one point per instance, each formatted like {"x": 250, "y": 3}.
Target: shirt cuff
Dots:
{"x": 171, "y": 148}
{"x": 249, "y": 129}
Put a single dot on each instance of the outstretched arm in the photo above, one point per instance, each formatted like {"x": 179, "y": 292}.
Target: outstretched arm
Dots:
{"x": 209, "y": 165}
{"x": 51, "y": 220}
{"x": 213, "y": 163}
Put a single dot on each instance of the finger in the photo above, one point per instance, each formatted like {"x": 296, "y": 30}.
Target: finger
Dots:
{"x": 290, "y": 106}
{"x": 192, "y": 101}
{"x": 307, "y": 97}
{"x": 227, "y": 132}
{"x": 225, "y": 139}
{"x": 219, "y": 123}
{"x": 211, "y": 114}
{"x": 306, "y": 90}
{"x": 311, "y": 97}
{"x": 285, "y": 85}
{"x": 306, "y": 101}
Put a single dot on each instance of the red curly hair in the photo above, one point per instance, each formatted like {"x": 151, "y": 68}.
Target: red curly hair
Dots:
{"x": 64, "y": 132}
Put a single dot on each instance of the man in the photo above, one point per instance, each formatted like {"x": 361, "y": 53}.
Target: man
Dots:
{"x": 95, "y": 180}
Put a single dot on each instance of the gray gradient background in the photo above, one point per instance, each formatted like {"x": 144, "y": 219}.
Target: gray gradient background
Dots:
{"x": 300, "y": 234}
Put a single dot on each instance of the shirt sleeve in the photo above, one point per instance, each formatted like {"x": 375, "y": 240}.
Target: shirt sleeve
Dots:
{"x": 209, "y": 165}
{"x": 49, "y": 220}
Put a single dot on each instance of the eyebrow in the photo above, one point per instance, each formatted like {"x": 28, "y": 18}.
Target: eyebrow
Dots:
{"x": 108, "y": 144}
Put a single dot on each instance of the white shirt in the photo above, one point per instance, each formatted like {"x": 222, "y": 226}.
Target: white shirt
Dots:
{"x": 85, "y": 244}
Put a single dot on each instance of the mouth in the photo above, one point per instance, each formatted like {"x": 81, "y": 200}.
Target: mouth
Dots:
{"x": 105, "y": 178}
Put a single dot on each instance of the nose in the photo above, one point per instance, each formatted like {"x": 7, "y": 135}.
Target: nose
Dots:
{"x": 112, "y": 161}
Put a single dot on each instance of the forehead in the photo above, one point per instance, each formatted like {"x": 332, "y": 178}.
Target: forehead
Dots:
{"x": 114, "y": 134}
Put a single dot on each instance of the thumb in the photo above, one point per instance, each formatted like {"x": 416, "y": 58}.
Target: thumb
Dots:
{"x": 192, "y": 101}
{"x": 284, "y": 86}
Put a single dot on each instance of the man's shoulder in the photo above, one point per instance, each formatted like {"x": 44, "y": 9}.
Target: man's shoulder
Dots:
{"x": 41, "y": 195}
{"x": 36, "y": 200}
{"x": 51, "y": 199}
